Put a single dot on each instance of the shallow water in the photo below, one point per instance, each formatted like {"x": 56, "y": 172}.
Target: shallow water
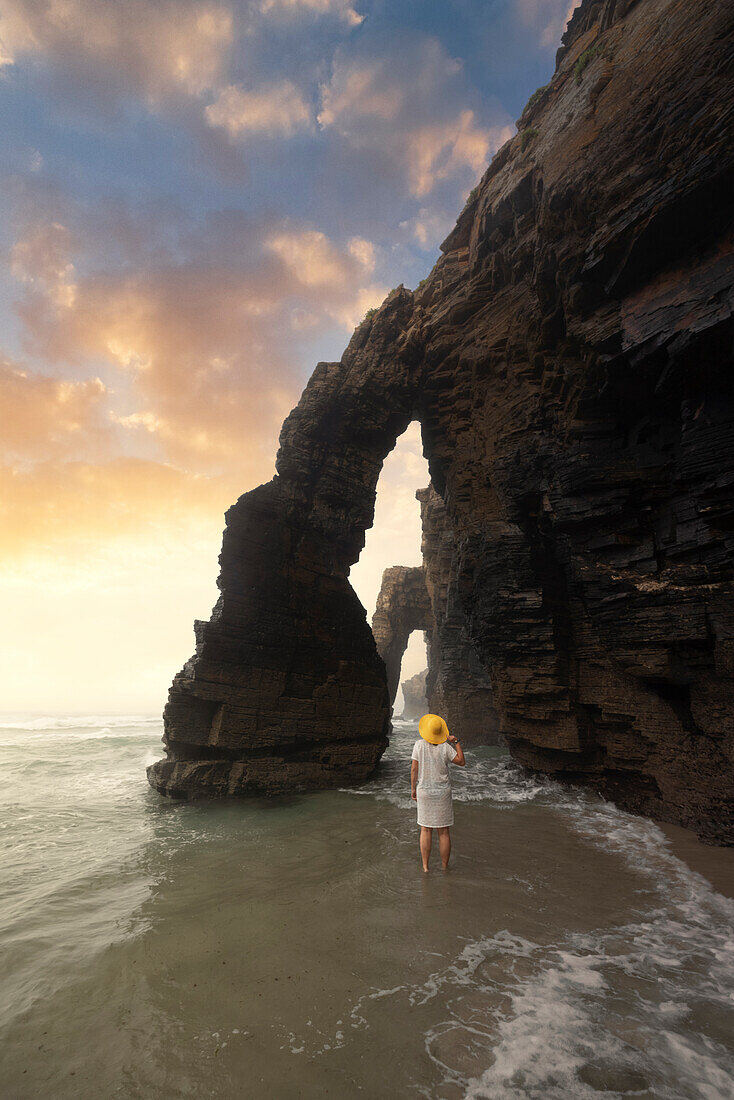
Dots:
{"x": 295, "y": 949}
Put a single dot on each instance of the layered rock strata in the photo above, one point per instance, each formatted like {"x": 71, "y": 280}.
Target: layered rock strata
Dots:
{"x": 570, "y": 361}
{"x": 415, "y": 703}
{"x": 578, "y": 413}
{"x": 458, "y": 685}
{"x": 286, "y": 688}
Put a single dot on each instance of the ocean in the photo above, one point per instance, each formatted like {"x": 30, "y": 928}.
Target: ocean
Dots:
{"x": 293, "y": 948}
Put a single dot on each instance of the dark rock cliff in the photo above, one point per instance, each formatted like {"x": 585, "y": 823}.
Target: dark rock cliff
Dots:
{"x": 570, "y": 361}
{"x": 458, "y": 685}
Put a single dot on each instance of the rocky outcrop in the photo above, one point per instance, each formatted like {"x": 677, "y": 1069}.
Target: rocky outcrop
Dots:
{"x": 570, "y": 361}
{"x": 402, "y": 607}
{"x": 414, "y": 695}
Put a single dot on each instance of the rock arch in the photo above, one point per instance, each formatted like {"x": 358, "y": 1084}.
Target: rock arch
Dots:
{"x": 286, "y": 687}
{"x": 570, "y": 361}
{"x": 425, "y": 598}
{"x": 403, "y": 605}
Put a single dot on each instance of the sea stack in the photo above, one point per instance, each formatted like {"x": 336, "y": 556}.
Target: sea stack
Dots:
{"x": 415, "y": 703}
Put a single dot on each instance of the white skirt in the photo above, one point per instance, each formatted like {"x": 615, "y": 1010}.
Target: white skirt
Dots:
{"x": 435, "y": 807}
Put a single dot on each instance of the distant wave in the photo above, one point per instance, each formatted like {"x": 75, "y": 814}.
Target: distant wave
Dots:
{"x": 86, "y": 721}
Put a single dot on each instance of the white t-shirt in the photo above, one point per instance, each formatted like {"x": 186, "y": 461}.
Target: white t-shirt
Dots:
{"x": 433, "y": 763}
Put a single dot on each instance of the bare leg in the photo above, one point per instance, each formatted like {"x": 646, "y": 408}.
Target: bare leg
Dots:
{"x": 425, "y": 843}
{"x": 444, "y": 846}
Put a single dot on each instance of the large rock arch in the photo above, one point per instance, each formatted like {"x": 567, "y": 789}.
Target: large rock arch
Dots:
{"x": 286, "y": 687}
{"x": 570, "y": 361}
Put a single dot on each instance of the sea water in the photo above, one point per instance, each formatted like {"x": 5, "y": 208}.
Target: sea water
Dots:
{"x": 294, "y": 948}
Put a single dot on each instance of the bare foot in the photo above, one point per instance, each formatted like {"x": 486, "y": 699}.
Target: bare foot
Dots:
{"x": 444, "y": 866}
{"x": 426, "y": 870}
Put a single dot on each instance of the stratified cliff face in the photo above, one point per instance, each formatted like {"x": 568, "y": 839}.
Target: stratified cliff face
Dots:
{"x": 577, "y": 412}
{"x": 458, "y": 685}
{"x": 414, "y": 695}
{"x": 570, "y": 361}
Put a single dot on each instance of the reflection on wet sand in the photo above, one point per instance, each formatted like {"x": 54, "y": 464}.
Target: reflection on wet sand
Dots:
{"x": 294, "y": 949}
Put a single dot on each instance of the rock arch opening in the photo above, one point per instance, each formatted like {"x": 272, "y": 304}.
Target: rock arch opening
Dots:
{"x": 411, "y": 700}
{"x": 396, "y": 536}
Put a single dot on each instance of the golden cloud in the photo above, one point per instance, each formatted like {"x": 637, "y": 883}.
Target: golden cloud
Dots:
{"x": 186, "y": 361}
{"x": 61, "y": 507}
{"x": 45, "y": 416}
{"x": 205, "y": 346}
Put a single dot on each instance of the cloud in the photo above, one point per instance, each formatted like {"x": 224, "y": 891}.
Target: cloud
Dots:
{"x": 412, "y": 111}
{"x": 314, "y": 261}
{"x": 429, "y": 227}
{"x": 173, "y": 55}
{"x": 358, "y": 90}
{"x": 441, "y": 150}
{"x": 162, "y": 48}
{"x": 363, "y": 251}
{"x": 197, "y": 340}
{"x": 342, "y": 9}
{"x": 311, "y": 257}
{"x": 64, "y": 506}
{"x": 42, "y": 260}
{"x": 547, "y": 18}
{"x": 276, "y": 109}
{"x": 48, "y": 417}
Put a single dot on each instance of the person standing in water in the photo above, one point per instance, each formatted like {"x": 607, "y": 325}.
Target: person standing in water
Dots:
{"x": 430, "y": 784}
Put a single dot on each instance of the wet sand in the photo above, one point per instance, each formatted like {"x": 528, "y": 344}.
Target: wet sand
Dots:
{"x": 294, "y": 949}
{"x": 716, "y": 864}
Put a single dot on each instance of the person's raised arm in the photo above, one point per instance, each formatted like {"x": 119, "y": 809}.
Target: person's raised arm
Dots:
{"x": 413, "y": 779}
{"x": 459, "y": 758}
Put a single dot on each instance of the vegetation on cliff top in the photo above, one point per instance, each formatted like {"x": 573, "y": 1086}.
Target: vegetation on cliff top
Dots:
{"x": 533, "y": 99}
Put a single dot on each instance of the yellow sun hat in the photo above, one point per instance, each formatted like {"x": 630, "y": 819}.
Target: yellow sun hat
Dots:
{"x": 433, "y": 729}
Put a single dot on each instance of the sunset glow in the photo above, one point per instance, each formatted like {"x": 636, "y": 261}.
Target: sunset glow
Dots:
{"x": 201, "y": 200}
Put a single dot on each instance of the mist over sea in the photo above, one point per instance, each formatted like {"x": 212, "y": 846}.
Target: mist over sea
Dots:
{"x": 294, "y": 949}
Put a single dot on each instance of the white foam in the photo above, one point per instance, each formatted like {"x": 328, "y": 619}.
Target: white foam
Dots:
{"x": 611, "y": 1010}
{"x": 488, "y": 777}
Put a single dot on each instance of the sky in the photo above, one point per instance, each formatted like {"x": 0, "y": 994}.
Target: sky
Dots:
{"x": 199, "y": 201}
